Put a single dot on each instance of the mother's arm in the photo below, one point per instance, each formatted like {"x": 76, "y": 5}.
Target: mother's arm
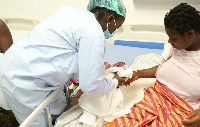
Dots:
{"x": 193, "y": 119}
{"x": 5, "y": 37}
{"x": 145, "y": 73}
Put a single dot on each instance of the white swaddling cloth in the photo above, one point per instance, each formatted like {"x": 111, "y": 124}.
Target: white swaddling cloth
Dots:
{"x": 98, "y": 109}
{"x": 121, "y": 71}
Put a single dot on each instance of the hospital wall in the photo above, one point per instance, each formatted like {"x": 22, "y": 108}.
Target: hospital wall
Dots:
{"x": 25, "y": 14}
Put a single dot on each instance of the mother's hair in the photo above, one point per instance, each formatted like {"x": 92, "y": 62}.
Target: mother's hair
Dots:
{"x": 183, "y": 18}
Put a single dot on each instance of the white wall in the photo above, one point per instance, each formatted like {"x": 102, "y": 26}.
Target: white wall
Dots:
{"x": 41, "y": 9}
{"x": 165, "y": 2}
{"x": 35, "y": 9}
{"x": 38, "y": 10}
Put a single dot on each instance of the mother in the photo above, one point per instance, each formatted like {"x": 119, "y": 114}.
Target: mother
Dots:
{"x": 176, "y": 92}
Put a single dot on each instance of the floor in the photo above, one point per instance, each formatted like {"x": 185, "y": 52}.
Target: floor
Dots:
{"x": 7, "y": 119}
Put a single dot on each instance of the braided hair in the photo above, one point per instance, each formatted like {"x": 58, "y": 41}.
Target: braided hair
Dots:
{"x": 101, "y": 12}
{"x": 183, "y": 18}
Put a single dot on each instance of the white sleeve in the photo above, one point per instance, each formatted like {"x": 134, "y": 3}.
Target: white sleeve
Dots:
{"x": 91, "y": 66}
{"x": 167, "y": 50}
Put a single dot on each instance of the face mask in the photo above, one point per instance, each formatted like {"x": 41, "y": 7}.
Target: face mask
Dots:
{"x": 107, "y": 34}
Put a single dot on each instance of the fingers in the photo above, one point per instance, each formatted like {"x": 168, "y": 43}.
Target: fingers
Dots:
{"x": 192, "y": 114}
{"x": 129, "y": 81}
{"x": 122, "y": 80}
{"x": 126, "y": 84}
{"x": 190, "y": 122}
{"x": 194, "y": 125}
{"x": 193, "y": 119}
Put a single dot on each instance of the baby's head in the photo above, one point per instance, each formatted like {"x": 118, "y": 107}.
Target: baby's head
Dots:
{"x": 107, "y": 65}
{"x": 119, "y": 64}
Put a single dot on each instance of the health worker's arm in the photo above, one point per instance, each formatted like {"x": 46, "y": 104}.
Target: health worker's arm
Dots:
{"x": 5, "y": 37}
{"x": 91, "y": 66}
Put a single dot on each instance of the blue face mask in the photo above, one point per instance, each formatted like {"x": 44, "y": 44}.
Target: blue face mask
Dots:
{"x": 107, "y": 34}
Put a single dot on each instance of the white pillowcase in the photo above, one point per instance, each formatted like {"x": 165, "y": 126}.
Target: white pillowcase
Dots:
{"x": 146, "y": 61}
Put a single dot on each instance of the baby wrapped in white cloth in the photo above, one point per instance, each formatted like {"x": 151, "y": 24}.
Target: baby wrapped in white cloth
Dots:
{"x": 95, "y": 111}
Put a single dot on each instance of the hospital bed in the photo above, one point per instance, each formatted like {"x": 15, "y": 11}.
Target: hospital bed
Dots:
{"x": 129, "y": 42}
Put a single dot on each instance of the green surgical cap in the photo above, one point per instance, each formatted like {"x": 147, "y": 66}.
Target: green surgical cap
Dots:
{"x": 113, "y": 5}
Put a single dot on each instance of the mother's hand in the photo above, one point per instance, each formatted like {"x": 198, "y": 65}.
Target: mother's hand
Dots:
{"x": 134, "y": 77}
{"x": 193, "y": 122}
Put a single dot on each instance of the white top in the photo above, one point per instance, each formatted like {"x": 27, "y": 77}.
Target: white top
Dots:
{"x": 69, "y": 44}
{"x": 181, "y": 75}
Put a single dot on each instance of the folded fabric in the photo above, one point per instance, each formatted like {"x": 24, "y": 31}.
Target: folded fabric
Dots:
{"x": 121, "y": 71}
{"x": 160, "y": 107}
{"x": 70, "y": 118}
{"x": 84, "y": 119}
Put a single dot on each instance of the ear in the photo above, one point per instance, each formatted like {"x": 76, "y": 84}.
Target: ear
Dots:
{"x": 190, "y": 33}
{"x": 110, "y": 19}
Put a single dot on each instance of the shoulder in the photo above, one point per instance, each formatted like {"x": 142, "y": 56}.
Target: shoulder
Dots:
{"x": 167, "y": 51}
{"x": 2, "y": 24}
{"x": 3, "y": 27}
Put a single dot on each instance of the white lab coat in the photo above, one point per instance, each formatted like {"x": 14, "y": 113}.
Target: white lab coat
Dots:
{"x": 69, "y": 44}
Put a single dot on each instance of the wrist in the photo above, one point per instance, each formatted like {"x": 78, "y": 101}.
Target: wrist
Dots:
{"x": 137, "y": 73}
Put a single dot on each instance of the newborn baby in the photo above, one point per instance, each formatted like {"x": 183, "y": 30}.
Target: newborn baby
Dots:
{"x": 120, "y": 68}
{"x": 118, "y": 64}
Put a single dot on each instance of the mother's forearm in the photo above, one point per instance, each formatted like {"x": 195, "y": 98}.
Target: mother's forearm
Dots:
{"x": 147, "y": 73}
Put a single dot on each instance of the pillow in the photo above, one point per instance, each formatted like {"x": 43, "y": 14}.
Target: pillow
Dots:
{"x": 146, "y": 61}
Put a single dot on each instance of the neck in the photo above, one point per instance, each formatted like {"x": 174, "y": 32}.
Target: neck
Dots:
{"x": 99, "y": 21}
{"x": 196, "y": 45}
{"x": 95, "y": 16}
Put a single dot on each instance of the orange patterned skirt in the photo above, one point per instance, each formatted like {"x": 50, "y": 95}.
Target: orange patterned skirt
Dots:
{"x": 159, "y": 108}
